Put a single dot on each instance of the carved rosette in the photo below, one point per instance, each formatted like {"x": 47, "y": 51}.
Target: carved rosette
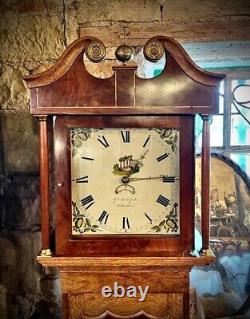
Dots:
{"x": 153, "y": 51}
{"x": 96, "y": 51}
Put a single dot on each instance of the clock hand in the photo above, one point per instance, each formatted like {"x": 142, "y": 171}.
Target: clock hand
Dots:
{"x": 133, "y": 179}
{"x": 143, "y": 155}
{"x": 126, "y": 179}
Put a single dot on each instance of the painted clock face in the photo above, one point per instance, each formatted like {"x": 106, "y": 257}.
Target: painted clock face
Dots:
{"x": 125, "y": 181}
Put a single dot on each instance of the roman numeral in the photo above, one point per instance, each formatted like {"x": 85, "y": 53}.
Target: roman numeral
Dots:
{"x": 103, "y": 141}
{"x": 168, "y": 179}
{"x": 150, "y": 220}
{"x": 146, "y": 142}
{"x": 125, "y": 223}
{"x": 83, "y": 179}
{"x": 87, "y": 201}
{"x": 87, "y": 158}
{"x": 125, "y": 136}
{"x": 162, "y": 157}
{"x": 163, "y": 200}
{"x": 103, "y": 217}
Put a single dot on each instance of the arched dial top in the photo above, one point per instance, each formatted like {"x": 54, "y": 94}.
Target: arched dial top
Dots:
{"x": 68, "y": 88}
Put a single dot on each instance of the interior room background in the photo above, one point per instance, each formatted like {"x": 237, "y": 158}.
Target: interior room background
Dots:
{"x": 33, "y": 35}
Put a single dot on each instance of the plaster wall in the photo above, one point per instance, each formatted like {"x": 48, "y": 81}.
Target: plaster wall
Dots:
{"x": 33, "y": 35}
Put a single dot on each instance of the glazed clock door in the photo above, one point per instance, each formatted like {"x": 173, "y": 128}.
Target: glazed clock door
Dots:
{"x": 125, "y": 181}
{"x": 124, "y": 184}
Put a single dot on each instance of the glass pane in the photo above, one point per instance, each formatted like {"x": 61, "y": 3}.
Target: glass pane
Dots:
{"x": 221, "y": 104}
{"x": 244, "y": 95}
{"x": 122, "y": 208}
{"x": 216, "y": 131}
{"x": 243, "y": 160}
{"x": 233, "y": 109}
{"x": 240, "y": 130}
{"x": 241, "y": 97}
{"x": 228, "y": 278}
{"x": 221, "y": 99}
{"x": 198, "y": 132}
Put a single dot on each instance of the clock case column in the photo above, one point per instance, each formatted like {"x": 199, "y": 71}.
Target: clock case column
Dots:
{"x": 181, "y": 90}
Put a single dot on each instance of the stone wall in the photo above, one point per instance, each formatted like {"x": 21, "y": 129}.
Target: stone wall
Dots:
{"x": 33, "y": 34}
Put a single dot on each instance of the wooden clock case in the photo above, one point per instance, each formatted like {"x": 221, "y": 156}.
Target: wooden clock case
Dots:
{"x": 123, "y": 245}
{"x": 75, "y": 98}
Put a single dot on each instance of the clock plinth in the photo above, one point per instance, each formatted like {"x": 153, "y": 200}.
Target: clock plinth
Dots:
{"x": 83, "y": 279}
{"x": 124, "y": 150}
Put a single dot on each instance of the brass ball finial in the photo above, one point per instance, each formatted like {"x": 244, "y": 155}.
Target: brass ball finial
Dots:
{"x": 124, "y": 53}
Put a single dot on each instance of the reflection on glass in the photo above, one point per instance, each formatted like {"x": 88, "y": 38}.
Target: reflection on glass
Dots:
{"x": 228, "y": 278}
{"x": 198, "y": 132}
{"x": 216, "y": 128}
{"x": 147, "y": 69}
{"x": 216, "y": 131}
{"x": 243, "y": 160}
{"x": 240, "y": 130}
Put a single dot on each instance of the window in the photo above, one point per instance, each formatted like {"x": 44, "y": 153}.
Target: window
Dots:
{"x": 230, "y": 129}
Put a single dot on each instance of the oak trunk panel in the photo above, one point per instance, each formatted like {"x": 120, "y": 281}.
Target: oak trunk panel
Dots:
{"x": 164, "y": 281}
{"x": 168, "y": 280}
{"x": 156, "y": 305}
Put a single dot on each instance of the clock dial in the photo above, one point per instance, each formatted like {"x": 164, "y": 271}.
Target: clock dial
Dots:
{"x": 125, "y": 181}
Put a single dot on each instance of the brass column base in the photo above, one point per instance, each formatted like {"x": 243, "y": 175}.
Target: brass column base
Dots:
{"x": 45, "y": 253}
{"x": 206, "y": 252}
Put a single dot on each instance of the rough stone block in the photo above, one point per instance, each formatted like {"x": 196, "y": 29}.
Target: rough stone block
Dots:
{"x": 21, "y": 202}
{"x": 26, "y": 291}
{"x": 71, "y": 26}
{"x": 112, "y": 33}
{"x": 208, "y": 10}
{"x": 26, "y": 37}
{"x": 32, "y": 6}
{"x": 34, "y": 67}
{"x": 20, "y": 142}
{"x": 127, "y": 10}
{"x": 3, "y": 303}
{"x": 13, "y": 93}
{"x": 18, "y": 265}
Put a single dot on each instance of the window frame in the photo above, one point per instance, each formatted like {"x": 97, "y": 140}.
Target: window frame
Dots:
{"x": 228, "y": 149}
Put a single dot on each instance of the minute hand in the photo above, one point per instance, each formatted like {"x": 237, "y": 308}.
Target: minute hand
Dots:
{"x": 133, "y": 179}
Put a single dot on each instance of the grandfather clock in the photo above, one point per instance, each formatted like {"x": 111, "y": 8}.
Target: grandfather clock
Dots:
{"x": 124, "y": 179}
